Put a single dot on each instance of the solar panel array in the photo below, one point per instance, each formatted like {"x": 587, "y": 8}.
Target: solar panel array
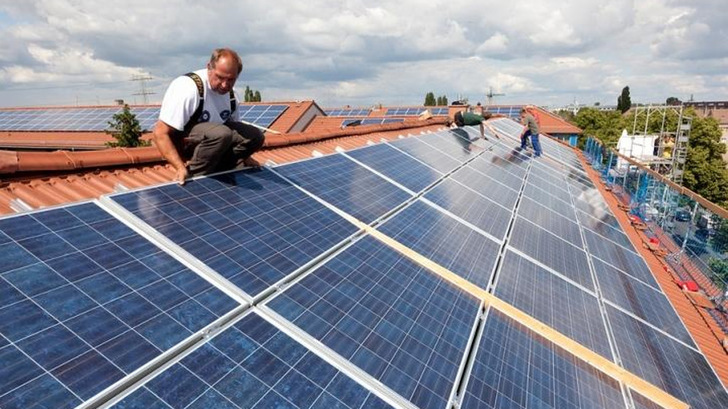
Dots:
{"x": 263, "y": 115}
{"x": 252, "y": 289}
{"x": 348, "y": 112}
{"x": 97, "y": 119}
{"x": 414, "y": 111}
{"x": 370, "y": 121}
{"x": 511, "y": 111}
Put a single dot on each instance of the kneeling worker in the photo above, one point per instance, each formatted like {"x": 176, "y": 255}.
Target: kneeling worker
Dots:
{"x": 198, "y": 115}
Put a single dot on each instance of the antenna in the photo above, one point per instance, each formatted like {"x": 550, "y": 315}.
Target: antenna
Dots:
{"x": 142, "y": 86}
{"x": 490, "y": 95}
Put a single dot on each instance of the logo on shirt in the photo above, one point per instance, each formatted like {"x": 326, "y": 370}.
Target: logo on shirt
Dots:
{"x": 205, "y": 117}
{"x": 224, "y": 115}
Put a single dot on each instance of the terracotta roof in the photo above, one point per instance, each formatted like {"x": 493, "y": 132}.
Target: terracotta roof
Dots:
{"x": 42, "y": 179}
{"x": 554, "y": 124}
{"x": 56, "y": 140}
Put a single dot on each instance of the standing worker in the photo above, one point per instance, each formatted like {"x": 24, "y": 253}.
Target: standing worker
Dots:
{"x": 198, "y": 114}
{"x": 530, "y": 129}
{"x": 467, "y": 118}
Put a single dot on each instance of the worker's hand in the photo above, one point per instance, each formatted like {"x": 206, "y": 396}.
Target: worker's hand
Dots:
{"x": 250, "y": 162}
{"x": 181, "y": 175}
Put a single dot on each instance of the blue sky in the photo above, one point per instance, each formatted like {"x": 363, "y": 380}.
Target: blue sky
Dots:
{"x": 547, "y": 52}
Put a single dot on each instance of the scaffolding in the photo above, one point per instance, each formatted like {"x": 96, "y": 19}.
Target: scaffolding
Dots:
{"x": 671, "y": 141}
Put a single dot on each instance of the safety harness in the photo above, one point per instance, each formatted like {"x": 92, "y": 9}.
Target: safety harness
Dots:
{"x": 195, "y": 118}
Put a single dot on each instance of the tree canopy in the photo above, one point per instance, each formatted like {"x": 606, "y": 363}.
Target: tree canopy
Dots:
{"x": 624, "y": 102}
{"x": 252, "y": 95}
{"x": 125, "y": 128}
{"x": 430, "y": 99}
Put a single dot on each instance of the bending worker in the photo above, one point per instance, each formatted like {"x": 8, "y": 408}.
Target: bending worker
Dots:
{"x": 198, "y": 119}
{"x": 467, "y": 118}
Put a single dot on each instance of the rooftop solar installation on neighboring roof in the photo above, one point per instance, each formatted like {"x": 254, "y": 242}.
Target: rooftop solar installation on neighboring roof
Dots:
{"x": 414, "y": 111}
{"x": 86, "y": 301}
{"x": 369, "y": 121}
{"x": 348, "y": 112}
{"x": 263, "y": 115}
{"x": 252, "y": 227}
{"x": 252, "y": 365}
{"x": 72, "y": 119}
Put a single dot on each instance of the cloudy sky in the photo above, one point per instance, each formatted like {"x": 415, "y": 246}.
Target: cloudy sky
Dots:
{"x": 357, "y": 52}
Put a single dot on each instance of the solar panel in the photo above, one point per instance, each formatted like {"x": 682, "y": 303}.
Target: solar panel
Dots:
{"x": 490, "y": 188}
{"x": 554, "y": 301}
{"x": 425, "y": 153}
{"x": 681, "y": 371}
{"x": 472, "y": 207}
{"x": 640, "y": 299}
{"x": 619, "y": 257}
{"x": 347, "y": 185}
{"x": 369, "y": 121}
{"x": 262, "y": 115}
{"x": 398, "y": 166}
{"x": 603, "y": 229}
{"x": 550, "y": 221}
{"x": 252, "y": 365}
{"x": 252, "y": 227}
{"x": 446, "y": 241}
{"x": 454, "y": 144}
{"x": 87, "y": 301}
{"x": 405, "y": 327}
{"x": 548, "y": 200}
{"x": 348, "y": 112}
{"x": 552, "y": 251}
{"x": 515, "y": 368}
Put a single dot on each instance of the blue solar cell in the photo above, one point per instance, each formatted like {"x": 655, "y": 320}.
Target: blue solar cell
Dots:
{"x": 500, "y": 168}
{"x": 549, "y": 201}
{"x": 515, "y": 368}
{"x": 425, "y": 153}
{"x": 471, "y": 207}
{"x": 487, "y": 186}
{"x": 603, "y": 229}
{"x": 681, "y": 371}
{"x": 446, "y": 241}
{"x": 404, "y": 326}
{"x": 554, "y": 301}
{"x": 84, "y": 324}
{"x": 252, "y": 227}
{"x": 396, "y": 165}
{"x": 455, "y": 143}
{"x": 552, "y": 251}
{"x": 619, "y": 257}
{"x": 640, "y": 299}
{"x": 550, "y": 221}
{"x": 252, "y": 365}
{"x": 347, "y": 185}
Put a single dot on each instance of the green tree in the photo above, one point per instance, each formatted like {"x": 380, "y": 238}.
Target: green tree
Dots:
{"x": 125, "y": 128}
{"x": 444, "y": 101}
{"x": 430, "y": 99}
{"x": 248, "y": 94}
{"x": 605, "y": 125}
{"x": 720, "y": 240}
{"x": 256, "y": 96}
{"x": 720, "y": 268}
{"x": 624, "y": 102}
{"x": 705, "y": 170}
{"x": 672, "y": 101}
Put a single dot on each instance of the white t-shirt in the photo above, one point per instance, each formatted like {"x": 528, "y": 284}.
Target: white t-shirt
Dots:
{"x": 181, "y": 100}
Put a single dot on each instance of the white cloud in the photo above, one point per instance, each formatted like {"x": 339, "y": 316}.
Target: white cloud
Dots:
{"x": 373, "y": 50}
